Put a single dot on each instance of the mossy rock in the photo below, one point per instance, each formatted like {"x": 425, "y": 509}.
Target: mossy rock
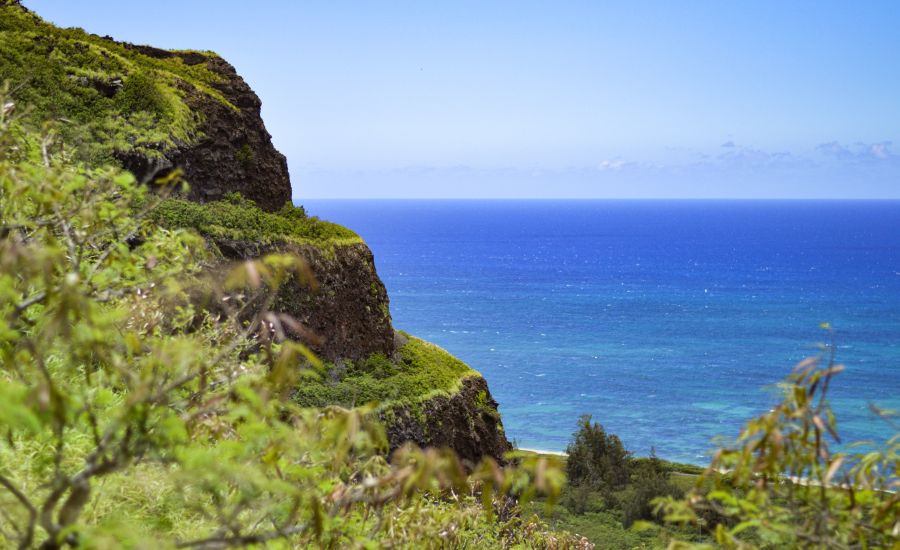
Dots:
{"x": 146, "y": 109}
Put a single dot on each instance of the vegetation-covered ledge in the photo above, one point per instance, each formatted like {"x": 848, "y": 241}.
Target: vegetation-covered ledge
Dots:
{"x": 422, "y": 393}
{"x": 236, "y": 218}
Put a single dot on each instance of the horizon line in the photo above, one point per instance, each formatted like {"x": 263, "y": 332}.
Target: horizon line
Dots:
{"x": 683, "y": 199}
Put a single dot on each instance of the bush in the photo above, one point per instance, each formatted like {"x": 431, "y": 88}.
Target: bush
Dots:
{"x": 141, "y": 93}
{"x": 785, "y": 487}
{"x": 649, "y": 480}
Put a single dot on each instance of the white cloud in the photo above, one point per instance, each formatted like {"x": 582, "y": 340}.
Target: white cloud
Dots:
{"x": 859, "y": 151}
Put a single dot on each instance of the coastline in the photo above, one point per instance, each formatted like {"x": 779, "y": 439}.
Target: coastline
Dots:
{"x": 542, "y": 452}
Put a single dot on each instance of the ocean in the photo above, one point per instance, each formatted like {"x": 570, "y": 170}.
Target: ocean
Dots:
{"x": 669, "y": 322}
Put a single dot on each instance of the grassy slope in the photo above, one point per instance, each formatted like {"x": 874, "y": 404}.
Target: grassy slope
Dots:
{"x": 62, "y": 73}
{"x": 423, "y": 371}
{"x": 240, "y": 219}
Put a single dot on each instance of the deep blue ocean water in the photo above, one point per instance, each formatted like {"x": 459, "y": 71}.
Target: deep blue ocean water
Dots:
{"x": 668, "y": 321}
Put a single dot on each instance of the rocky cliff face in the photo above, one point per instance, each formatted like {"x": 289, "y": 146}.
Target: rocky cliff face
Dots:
{"x": 346, "y": 312}
{"x": 467, "y": 422}
{"x": 233, "y": 151}
{"x": 348, "y": 318}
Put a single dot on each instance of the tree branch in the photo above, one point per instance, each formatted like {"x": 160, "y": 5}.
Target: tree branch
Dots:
{"x": 243, "y": 540}
{"x": 32, "y": 511}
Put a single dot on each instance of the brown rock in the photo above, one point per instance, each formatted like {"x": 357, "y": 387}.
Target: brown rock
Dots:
{"x": 467, "y": 422}
{"x": 347, "y": 313}
{"x": 234, "y": 152}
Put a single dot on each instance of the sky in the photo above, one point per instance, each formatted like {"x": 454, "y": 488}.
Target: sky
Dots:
{"x": 560, "y": 99}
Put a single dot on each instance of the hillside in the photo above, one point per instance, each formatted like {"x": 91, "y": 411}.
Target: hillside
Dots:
{"x": 153, "y": 111}
{"x": 147, "y": 109}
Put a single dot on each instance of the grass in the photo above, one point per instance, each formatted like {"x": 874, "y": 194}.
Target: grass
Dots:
{"x": 603, "y": 528}
{"x": 419, "y": 372}
{"x": 240, "y": 219}
{"x": 678, "y": 469}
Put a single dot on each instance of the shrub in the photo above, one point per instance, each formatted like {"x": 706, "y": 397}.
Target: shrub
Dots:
{"x": 649, "y": 480}
{"x": 141, "y": 93}
{"x": 781, "y": 485}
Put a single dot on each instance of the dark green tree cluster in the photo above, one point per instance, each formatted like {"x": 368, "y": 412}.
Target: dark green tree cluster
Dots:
{"x": 602, "y": 474}
{"x": 596, "y": 459}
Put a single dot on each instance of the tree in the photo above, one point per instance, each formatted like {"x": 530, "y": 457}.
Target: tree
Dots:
{"x": 596, "y": 459}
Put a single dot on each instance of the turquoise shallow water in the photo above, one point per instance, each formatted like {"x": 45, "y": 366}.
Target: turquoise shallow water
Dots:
{"x": 668, "y": 321}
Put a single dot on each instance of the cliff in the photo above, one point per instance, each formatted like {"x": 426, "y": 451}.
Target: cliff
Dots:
{"x": 231, "y": 151}
{"x": 153, "y": 111}
{"x": 147, "y": 109}
{"x": 421, "y": 392}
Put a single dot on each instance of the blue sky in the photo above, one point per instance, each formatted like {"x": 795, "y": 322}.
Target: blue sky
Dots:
{"x": 554, "y": 99}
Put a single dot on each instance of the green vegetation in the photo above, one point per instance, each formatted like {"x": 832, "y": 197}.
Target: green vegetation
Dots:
{"x": 420, "y": 372}
{"x": 781, "y": 485}
{"x": 244, "y": 155}
{"x": 240, "y": 219}
{"x": 108, "y": 97}
{"x": 609, "y": 496}
{"x": 131, "y": 419}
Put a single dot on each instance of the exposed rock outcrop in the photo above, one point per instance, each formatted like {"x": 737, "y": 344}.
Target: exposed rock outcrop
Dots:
{"x": 467, "y": 422}
{"x": 347, "y": 312}
{"x": 233, "y": 152}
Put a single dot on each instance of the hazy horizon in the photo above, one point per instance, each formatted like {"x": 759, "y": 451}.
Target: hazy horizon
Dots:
{"x": 574, "y": 100}
{"x": 599, "y": 199}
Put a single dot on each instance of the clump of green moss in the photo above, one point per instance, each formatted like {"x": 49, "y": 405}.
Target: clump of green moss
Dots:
{"x": 238, "y": 218}
{"x": 106, "y": 95}
{"x": 420, "y": 372}
{"x": 244, "y": 155}
{"x": 481, "y": 401}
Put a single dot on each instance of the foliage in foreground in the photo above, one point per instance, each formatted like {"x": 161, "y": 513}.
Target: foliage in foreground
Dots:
{"x": 782, "y": 486}
{"x": 779, "y": 486}
{"x": 131, "y": 419}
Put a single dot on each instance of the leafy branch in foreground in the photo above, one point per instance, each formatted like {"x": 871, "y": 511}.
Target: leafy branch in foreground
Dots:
{"x": 129, "y": 414}
{"x": 782, "y": 486}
